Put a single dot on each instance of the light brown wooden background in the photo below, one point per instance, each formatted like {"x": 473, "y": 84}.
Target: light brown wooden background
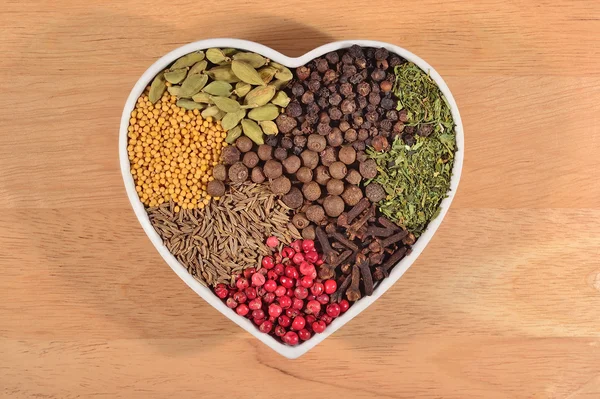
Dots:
{"x": 504, "y": 303}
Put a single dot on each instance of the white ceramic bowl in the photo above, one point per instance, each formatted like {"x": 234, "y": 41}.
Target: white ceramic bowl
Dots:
{"x": 287, "y": 351}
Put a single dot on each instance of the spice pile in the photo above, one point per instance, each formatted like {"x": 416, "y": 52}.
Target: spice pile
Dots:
{"x": 333, "y": 171}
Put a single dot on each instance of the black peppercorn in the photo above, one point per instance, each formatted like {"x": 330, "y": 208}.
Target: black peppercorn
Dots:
{"x": 297, "y": 150}
{"x": 378, "y": 75}
{"x": 303, "y": 72}
{"x": 362, "y": 102}
{"x": 329, "y": 77}
{"x": 323, "y": 129}
{"x": 371, "y": 108}
{"x": 346, "y": 89}
{"x": 381, "y": 54}
{"x": 348, "y": 106}
{"x": 357, "y": 78}
{"x": 356, "y": 51}
{"x": 322, "y": 65}
{"x": 285, "y": 123}
{"x": 297, "y": 89}
{"x": 388, "y": 103}
{"x": 312, "y": 108}
{"x": 335, "y": 99}
{"x": 386, "y": 125}
{"x": 314, "y": 85}
{"x": 372, "y": 116}
{"x": 315, "y": 76}
{"x": 287, "y": 142}
{"x": 360, "y": 62}
{"x": 347, "y": 58}
{"x": 323, "y": 103}
{"x": 294, "y": 109}
{"x": 425, "y": 129}
{"x": 308, "y": 97}
{"x": 309, "y": 120}
{"x": 300, "y": 141}
{"x": 280, "y": 153}
{"x": 361, "y": 156}
{"x": 409, "y": 139}
{"x": 363, "y": 134}
{"x": 386, "y": 86}
{"x": 332, "y": 88}
{"x": 349, "y": 70}
{"x": 357, "y": 120}
{"x": 272, "y": 140}
{"x": 374, "y": 98}
{"x": 403, "y": 116}
{"x": 359, "y": 145}
{"x": 343, "y": 79}
{"x": 363, "y": 89}
{"x": 392, "y": 115}
{"x": 395, "y": 60}
{"x": 324, "y": 118}
{"x": 323, "y": 92}
{"x": 335, "y": 113}
{"x": 398, "y": 127}
{"x": 332, "y": 57}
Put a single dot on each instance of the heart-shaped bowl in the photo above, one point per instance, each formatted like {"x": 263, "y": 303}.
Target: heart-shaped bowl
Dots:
{"x": 290, "y": 352}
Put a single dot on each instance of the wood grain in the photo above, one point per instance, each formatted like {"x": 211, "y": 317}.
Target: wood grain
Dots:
{"x": 504, "y": 303}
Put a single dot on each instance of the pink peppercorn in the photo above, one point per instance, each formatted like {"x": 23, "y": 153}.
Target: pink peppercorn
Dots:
{"x": 292, "y": 313}
{"x": 306, "y": 269}
{"x": 274, "y": 310}
{"x": 306, "y": 281}
{"x": 319, "y": 326}
{"x": 280, "y": 290}
{"x": 308, "y": 245}
{"x": 267, "y": 262}
{"x": 242, "y": 284}
{"x": 272, "y": 242}
{"x": 279, "y": 268}
{"x": 221, "y": 291}
{"x": 317, "y": 289}
{"x": 291, "y": 272}
{"x": 286, "y": 282}
{"x": 296, "y": 245}
{"x": 287, "y": 252}
{"x": 310, "y": 319}
{"x": 289, "y": 292}
{"x": 301, "y": 292}
{"x": 258, "y": 279}
{"x": 298, "y": 258}
{"x": 258, "y": 322}
{"x": 298, "y": 323}
{"x": 250, "y": 292}
{"x": 249, "y": 272}
{"x": 333, "y": 310}
{"x": 290, "y": 338}
{"x": 311, "y": 256}
{"x": 265, "y": 327}
{"x": 297, "y": 303}
{"x": 254, "y": 304}
{"x": 231, "y": 303}
{"x": 240, "y": 297}
{"x": 344, "y": 305}
{"x": 285, "y": 302}
{"x": 327, "y": 319}
{"x": 270, "y": 285}
{"x": 312, "y": 307}
{"x": 284, "y": 321}
{"x": 323, "y": 299}
{"x": 258, "y": 314}
{"x": 271, "y": 275}
{"x": 304, "y": 334}
{"x": 330, "y": 286}
{"x": 269, "y": 297}
{"x": 242, "y": 309}
{"x": 280, "y": 331}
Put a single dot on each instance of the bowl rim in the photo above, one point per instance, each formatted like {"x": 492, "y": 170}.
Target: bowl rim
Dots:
{"x": 291, "y": 62}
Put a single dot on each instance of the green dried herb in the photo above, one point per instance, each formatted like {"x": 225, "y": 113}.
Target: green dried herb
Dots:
{"x": 418, "y": 94}
{"x": 416, "y": 179}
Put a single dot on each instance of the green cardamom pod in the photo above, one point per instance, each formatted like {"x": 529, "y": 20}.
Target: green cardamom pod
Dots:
{"x": 259, "y": 96}
{"x": 226, "y": 104}
{"x": 265, "y": 113}
{"x": 267, "y": 73}
{"x": 255, "y": 60}
{"x": 176, "y": 76}
{"x": 192, "y": 85}
{"x": 253, "y": 131}
{"x": 174, "y": 90}
{"x": 223, "y": 73}
{"x": 246, "y": 73}
{"x": 198, "y": 67}
{"x": 283, "y": 73}
{"x": 202, "y": 98}
{"x": 188, "y": 60}
{"x": 189, "y": 104}
{"x": 157, "y": 88}
{"x": 281, "y": 99}
{"x": 216, "y": 56}
{"x": 218, "y": 88}
{"x": 242, "y": 88}
{"x": 232, "y": 119}
{"x": 269, "y": 127}
{"x": 219, "y": 115}
{"x": 210, "y": 111}
{"x": 279, "y": 84}
{"x": 233, "y": 134}
{"x": 229, "y": 51}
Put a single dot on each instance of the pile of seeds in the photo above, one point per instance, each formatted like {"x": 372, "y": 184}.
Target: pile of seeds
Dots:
{"x": 224, "y": 238}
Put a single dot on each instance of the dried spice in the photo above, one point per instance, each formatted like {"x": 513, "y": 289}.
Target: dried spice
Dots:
{"x": 416, "y": 179}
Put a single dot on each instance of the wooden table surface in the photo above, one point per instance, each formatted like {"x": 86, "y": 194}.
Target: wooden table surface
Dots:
{"x": 503, "y": 303}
